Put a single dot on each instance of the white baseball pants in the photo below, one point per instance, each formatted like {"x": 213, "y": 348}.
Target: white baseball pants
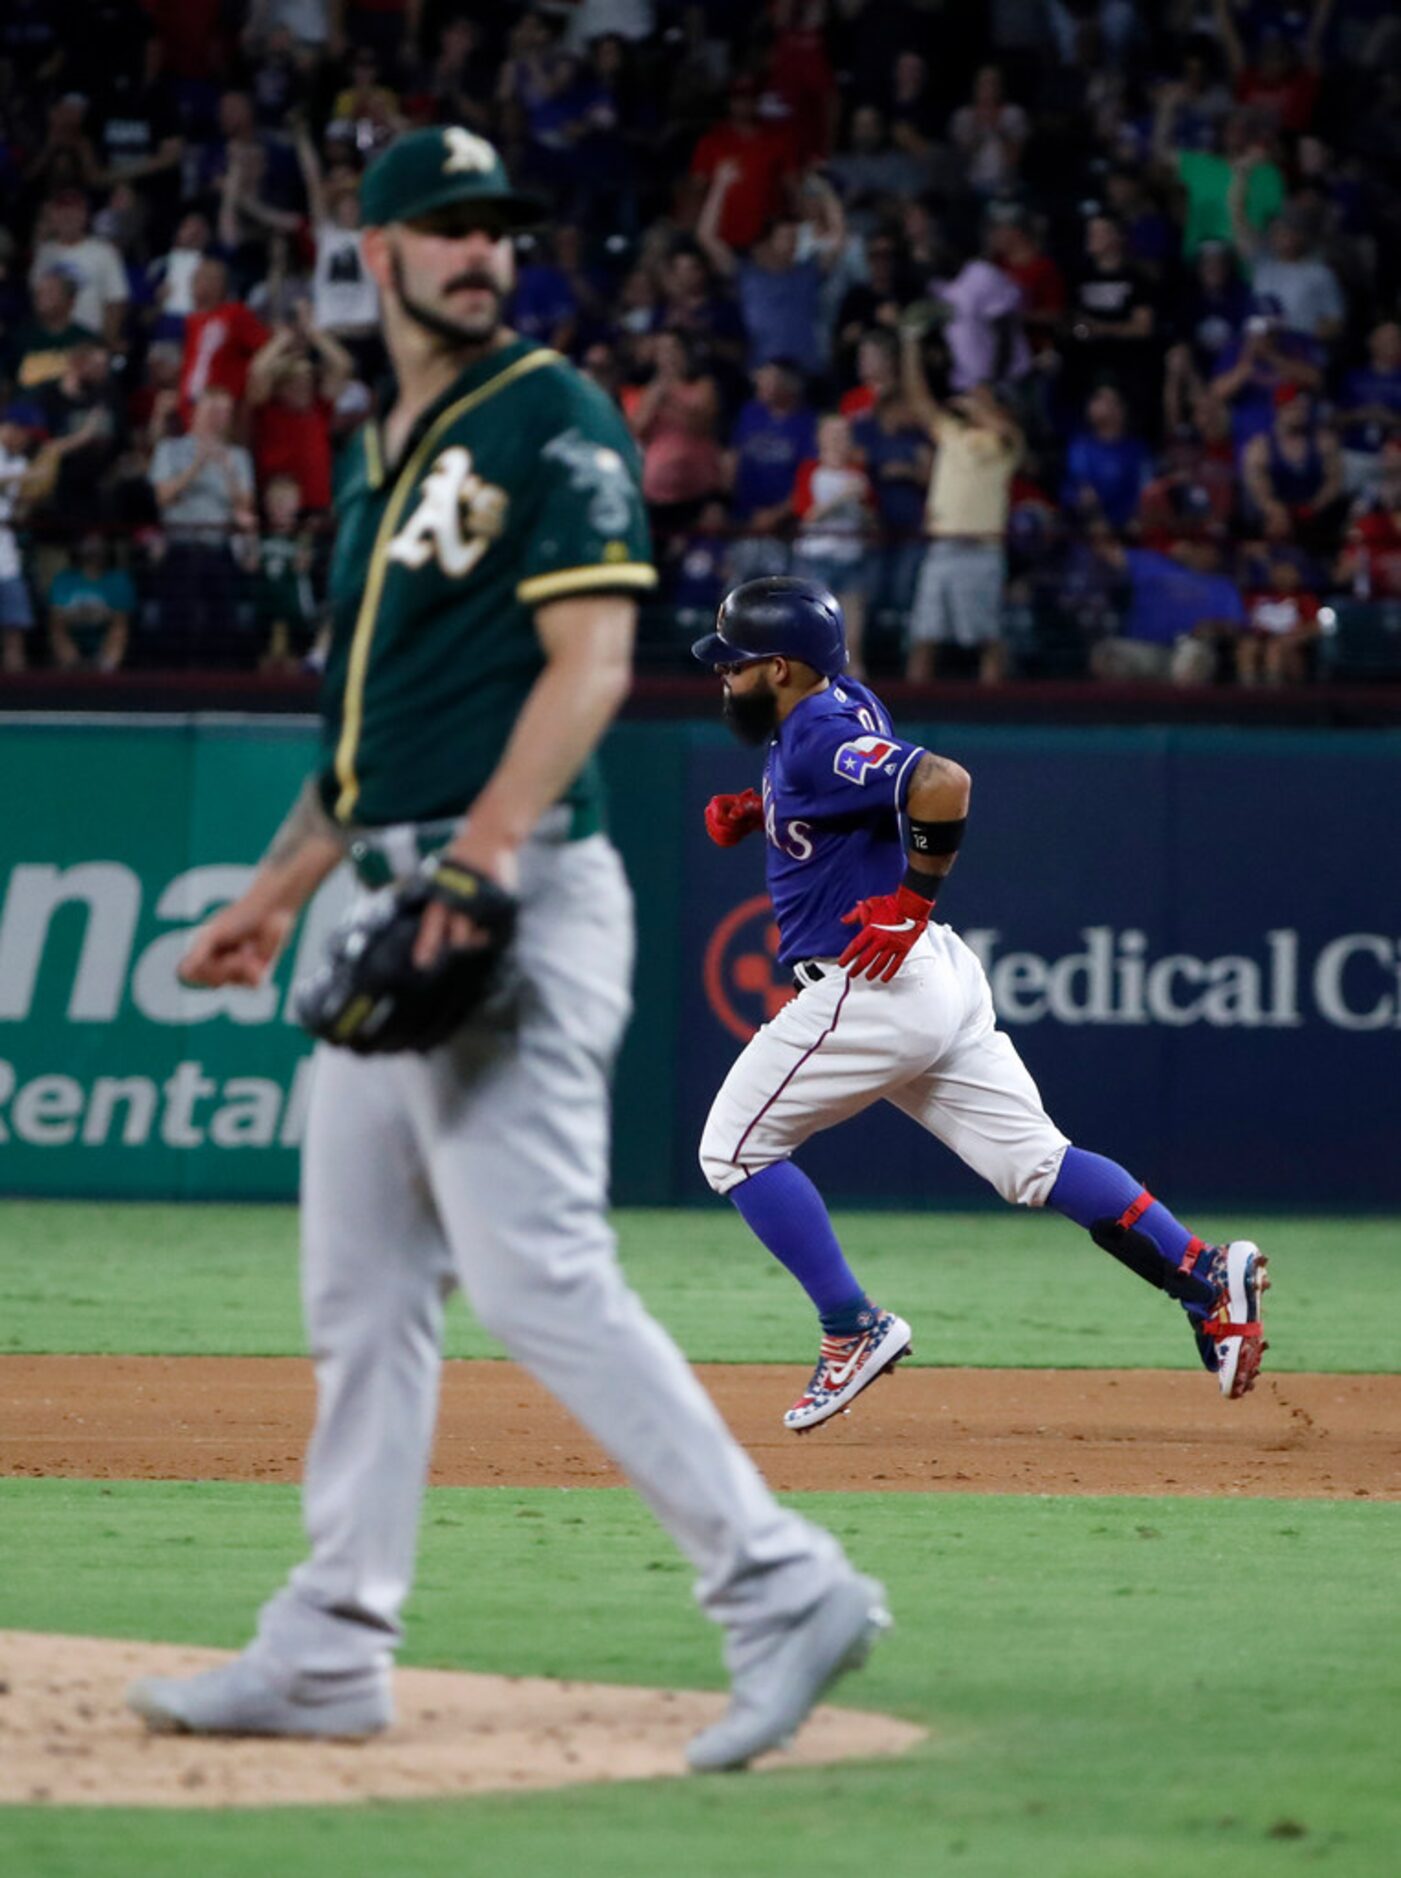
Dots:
{"x": 927, "y": 1042}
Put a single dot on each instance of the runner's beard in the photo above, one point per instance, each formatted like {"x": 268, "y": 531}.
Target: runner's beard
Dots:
{"x": 479, "y": 332}
{"x": 751, "y": 715}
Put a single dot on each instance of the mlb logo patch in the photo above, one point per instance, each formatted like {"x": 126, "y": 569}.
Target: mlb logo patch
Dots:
{"x": 857, "y": 759}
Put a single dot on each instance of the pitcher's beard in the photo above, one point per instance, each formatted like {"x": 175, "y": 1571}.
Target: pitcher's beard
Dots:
{"x": 452, "y": 332}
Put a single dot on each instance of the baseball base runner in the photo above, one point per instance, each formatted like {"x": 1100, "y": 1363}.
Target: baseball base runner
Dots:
{"x": 861, "y": 829}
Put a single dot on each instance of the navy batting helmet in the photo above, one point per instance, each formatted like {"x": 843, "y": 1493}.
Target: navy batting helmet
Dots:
{"x": 777, "y": 615}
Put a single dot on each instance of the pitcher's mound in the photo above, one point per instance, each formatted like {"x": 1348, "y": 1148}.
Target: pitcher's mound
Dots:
{"x": 67, "y": 1738}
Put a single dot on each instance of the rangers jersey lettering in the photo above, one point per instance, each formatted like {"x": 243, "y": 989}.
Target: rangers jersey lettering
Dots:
{"x": 835, "y": 782}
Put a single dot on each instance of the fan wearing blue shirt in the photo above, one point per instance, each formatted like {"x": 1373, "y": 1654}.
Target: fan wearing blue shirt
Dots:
{"x": 1369, "y": 404}
{"x": 1252, "y": 368}
{"x": 1106, "y": 467}
{"x": 1180, "y": 605}
{"x": 780, "y": 296}
{"x": 774, "y": 432}
{"x": 545, "y": 306}
{"x": 898, "y": 459}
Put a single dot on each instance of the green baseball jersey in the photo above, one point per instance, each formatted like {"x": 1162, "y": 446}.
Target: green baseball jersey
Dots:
{"x": 519, "y": 486}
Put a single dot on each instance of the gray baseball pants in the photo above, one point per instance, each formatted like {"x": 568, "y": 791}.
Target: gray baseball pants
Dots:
{"x": 485, "y": 1165}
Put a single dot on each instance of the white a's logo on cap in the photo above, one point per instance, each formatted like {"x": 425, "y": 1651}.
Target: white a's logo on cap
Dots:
{"x": 467, "y": 152}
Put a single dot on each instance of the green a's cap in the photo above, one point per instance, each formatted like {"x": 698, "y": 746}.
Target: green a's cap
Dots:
{"x": 427, "y": 170}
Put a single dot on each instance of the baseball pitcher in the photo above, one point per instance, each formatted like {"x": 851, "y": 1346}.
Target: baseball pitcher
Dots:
{"x": 861, "y": 829}
{"x": 490, "y": 546}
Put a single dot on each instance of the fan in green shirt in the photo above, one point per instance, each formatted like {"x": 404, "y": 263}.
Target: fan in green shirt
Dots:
{"x": 1207, "y": 180}
{"x": 1205, "y": 175}
{"x": 38, "y": 351}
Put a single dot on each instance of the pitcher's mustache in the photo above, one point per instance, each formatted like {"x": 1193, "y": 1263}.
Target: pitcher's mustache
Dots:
{"x": 474, "y": 279}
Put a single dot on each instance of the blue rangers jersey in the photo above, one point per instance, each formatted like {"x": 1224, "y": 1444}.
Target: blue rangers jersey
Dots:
{"x": 835, "y": 781}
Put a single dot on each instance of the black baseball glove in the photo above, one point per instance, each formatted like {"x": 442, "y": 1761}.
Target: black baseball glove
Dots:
{"x": 372, "y": 998}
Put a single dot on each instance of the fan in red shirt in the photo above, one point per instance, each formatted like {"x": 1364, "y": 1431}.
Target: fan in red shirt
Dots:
{"x": 1281, "y": 621}
{"x": 193, "y": 37}
{"x": 1193, "y": 498}
{"x": 877, "y": 373}
{"x": 1013, "y": 248}
{"x": 1278, "y": 82}
{"x": 1371, "y": 561}
{"x": 221, "y": 338}
{"x": 763, "y": 157}
{"x": 801, "y": 73}
{"x": 293, "y": 384}
{"x": 1375, "y": 545}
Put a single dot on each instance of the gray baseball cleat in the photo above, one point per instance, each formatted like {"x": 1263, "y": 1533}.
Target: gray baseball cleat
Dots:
{"x": 237, "y": 1699}
{"x": 777, "y": 1680}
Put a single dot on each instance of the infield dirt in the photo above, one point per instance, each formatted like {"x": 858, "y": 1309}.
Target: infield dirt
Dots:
{"x": 65, "y": 1738}
{"x": 957, "y": 1430}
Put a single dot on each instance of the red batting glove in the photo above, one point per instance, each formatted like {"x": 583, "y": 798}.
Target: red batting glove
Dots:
{"x": 728, "y": 819}
{"x": 890, "y": 925}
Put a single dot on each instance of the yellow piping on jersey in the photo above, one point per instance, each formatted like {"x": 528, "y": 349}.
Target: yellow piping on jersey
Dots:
{"x": 374, "y": 453}
{"x": 354, "y": 709}
{"x": 599, "y": 575}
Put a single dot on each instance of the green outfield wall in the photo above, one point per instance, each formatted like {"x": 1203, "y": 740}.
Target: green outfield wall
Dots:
{"x": 1194, "y": 937}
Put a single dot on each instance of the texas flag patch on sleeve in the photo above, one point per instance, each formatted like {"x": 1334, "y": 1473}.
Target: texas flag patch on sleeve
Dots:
{"x": 862, "y": 756}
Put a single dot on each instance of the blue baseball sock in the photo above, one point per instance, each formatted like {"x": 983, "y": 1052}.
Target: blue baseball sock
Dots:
{"x": 781, "y": 1207}
{"x": 1090, "y": 1188}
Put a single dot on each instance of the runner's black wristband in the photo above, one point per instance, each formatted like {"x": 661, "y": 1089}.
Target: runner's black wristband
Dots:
{"x": 937, "y": 837}
{"x": 925, "y": 885}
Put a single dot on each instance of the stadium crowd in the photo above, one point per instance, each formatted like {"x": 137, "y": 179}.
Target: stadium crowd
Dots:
{"x": 1053, "y": 335}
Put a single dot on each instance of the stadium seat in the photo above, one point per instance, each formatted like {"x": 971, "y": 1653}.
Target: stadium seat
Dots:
{"x": 1362, "y": 639}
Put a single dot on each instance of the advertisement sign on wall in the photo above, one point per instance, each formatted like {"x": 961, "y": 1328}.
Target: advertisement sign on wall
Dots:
{"x": 1193, "y": 937}
{"x": 115, "y": 1079}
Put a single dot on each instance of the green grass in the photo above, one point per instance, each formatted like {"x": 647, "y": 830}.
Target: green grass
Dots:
{"x": 1010, "y": 1288}
{"x": 1116, "y": 1689}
